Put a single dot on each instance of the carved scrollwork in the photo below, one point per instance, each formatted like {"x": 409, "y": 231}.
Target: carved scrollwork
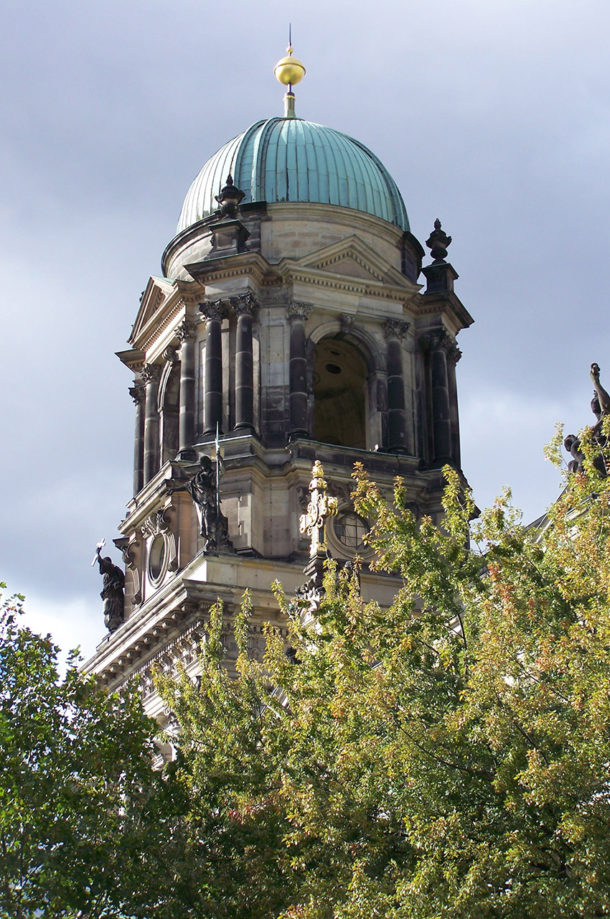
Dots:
{"x": 170, "y": 355}
{"x": 156, "y": 523}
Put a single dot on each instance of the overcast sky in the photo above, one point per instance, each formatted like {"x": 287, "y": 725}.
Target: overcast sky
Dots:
{"x": 493, "y": 116}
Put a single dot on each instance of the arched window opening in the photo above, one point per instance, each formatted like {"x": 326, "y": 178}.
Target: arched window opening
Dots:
{"x": 340, "y": 394}
{"x": 170, "y": 413}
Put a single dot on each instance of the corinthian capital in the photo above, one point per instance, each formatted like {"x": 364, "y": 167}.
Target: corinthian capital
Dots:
{"x": 151, "y": 373}
{"x": 137, "y": 392}
{"x": 244, "y": 304}
{"x": 395, "y": 328}
{"x": 438, "y": 340}
{"x": 186, "y": 330}
{"x": 212, "y": 309}
{"x": 296, "y": 309}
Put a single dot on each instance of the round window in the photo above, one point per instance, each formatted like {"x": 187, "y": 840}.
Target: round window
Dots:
{"x": 156, "y": 557}
{"x": 350, "y": 530}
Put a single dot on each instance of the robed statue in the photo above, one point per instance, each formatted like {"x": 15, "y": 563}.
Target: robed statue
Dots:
{"x": 203, "y": 489}
{"x": 112, "y": 592}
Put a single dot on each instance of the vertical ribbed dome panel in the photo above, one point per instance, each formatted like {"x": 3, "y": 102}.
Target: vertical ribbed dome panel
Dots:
{"x": 288, "y": 159}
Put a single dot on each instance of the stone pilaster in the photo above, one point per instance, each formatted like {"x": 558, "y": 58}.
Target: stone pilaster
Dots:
{"x": 150, "y": 376}
{"x": 186, "y": 427}
{"x": 453, "y": 356}
{"x": 137, "y": 393}
{"x": 297, "y": 314}
{"x": 212, "y": 384}
{"x": 438, "y": 344}
{"x": 395, "y": 330}
{"x": 245, "y": 307}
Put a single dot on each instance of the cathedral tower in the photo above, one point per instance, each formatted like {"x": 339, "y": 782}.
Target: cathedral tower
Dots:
{"x": 288, "y": 326}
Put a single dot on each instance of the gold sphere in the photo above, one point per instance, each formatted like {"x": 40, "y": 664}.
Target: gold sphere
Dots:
{"x": 289, "y": 70}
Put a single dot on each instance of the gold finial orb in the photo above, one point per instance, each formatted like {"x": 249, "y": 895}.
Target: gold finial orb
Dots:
{"x": 289, "y": 70}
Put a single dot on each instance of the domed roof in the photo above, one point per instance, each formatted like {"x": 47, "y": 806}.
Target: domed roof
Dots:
{"x": 289, "y": 159}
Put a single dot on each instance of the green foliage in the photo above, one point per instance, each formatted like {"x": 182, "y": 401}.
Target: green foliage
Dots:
{"x": 447, "y": 756}
{"x": 79, "y": 801}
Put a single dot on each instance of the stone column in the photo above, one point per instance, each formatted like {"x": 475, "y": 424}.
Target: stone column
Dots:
{"x": 453, "y": 356}
{"x": 395, "y": 330}
{"x": 244, "y": 307}
{"x": 186, "y": 426}
{"x": 297, "y": 314}
{"x": 437, "y": 343}
{"x": 137, "y": 394}
{"x": 150, "y": 375}
{"x": 212, "y": 383}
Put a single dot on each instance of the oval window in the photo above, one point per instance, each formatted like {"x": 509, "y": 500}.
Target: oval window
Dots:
{"x": 156, "y": 557}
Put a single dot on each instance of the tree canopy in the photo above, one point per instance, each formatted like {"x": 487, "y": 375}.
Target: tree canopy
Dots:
{"x": 446, "y": 756}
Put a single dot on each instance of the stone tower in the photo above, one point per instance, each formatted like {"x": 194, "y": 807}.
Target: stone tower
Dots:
{"x": 288, "y": 326}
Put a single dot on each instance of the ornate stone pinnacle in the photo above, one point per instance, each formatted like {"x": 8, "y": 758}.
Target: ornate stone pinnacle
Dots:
{"x": 438, "y": 242}
{"x": 319, "y": 508}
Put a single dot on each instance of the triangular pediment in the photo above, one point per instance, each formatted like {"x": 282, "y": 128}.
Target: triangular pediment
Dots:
{"x": 156, "y": 292}
{"x": 353, "y": 258}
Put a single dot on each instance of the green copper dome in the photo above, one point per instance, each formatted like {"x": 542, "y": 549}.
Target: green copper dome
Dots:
{"x": 288, "y": 159}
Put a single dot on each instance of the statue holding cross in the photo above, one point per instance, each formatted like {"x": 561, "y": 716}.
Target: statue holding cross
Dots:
{"x": 319, "y": 508}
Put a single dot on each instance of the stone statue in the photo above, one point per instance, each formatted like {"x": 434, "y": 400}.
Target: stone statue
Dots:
{"x": 600, "y": 404}
{"x": 572, "y": 445}
{"x": 213, "y": 525}
{"x": 112, "y": 591}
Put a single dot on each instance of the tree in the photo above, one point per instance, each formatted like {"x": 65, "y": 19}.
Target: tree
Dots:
{"x": 447, "y": 756}
{"x": 82, "y": 820}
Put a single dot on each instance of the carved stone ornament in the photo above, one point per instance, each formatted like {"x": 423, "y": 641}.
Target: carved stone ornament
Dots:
{"x": 347, "y": 324}
{"x": 229, "y": 198}
{"x": 129, "y": 551}
{"x": 438, "y": 242}
{"x": 156, "y": 523}
{"x": 170, "y": 354}
{"x": 151, "y": 373}
{"x": 244, "y": 303}
{"x": 298, "y": 310}
{"x": 395, "y": 328}
{"x": 212, "y": 309}
{"x": 319, "y": 508}
{"x": 137, "y": 392}
{"x": 440, "y": 340}
{"x": 187, "y": 330}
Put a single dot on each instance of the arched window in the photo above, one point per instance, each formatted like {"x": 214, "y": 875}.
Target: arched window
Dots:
{"x": 340, "y": 394}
